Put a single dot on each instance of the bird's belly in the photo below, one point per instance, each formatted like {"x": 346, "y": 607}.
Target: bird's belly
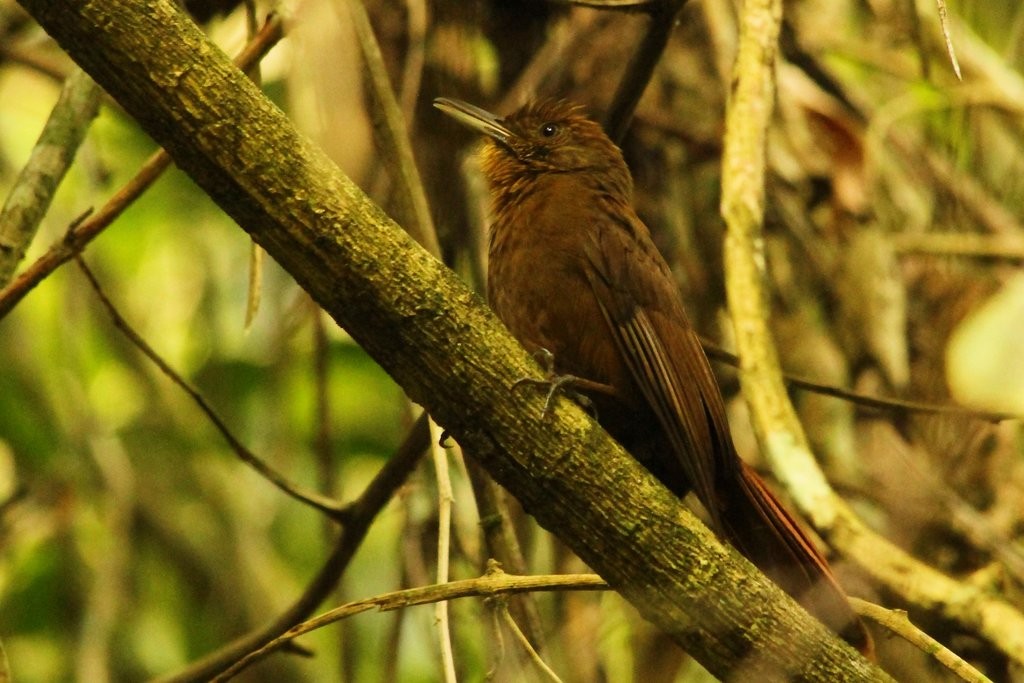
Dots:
{"x": 548, "y": 305}
{"x": 554, "y": 307}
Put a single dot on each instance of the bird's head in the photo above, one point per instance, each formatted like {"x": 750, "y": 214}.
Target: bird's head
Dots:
{"x": 550, "y": 136}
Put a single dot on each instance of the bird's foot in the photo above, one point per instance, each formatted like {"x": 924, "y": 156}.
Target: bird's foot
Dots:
{"x": 567, "y": 385}
{"x": 558, "y": 384}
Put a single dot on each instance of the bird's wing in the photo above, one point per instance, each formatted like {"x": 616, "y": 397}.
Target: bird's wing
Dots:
{"x": 638, "y": 298}
{"x": 641, "y": 305}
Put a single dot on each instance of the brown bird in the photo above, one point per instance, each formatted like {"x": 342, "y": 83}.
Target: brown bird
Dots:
{"x": 573, "y": 271}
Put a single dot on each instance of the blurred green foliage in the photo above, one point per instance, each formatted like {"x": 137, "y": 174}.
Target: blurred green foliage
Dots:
{"x": 138, "y": 524}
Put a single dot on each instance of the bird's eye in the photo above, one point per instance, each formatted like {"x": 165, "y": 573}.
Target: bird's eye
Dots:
{"x": 548, "y": 130}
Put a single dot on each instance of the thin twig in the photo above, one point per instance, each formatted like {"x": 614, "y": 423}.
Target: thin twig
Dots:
{"x": 638, "y": 74}
{"x": 412, "y": 210}
{"x": 322, "y": 423}
{"x": 968, "y": 245}
{"x": 33, "y": 191}
{"x": 362, "y": 512}
{"x": 81, "y": 234}
{"x": 896, "y": 620}
{"x": 328, "y": 506}
{"x": 492, "y": 584}
{"x": 946, "y": 35}
{"x": 254, "y": 290}
{"x": 620, "y": 5}
{"x": 717, "y": 353}
{"x": 415, "y": 58}
{"x": 445, "y": 497}
{"x": 524, "y": 643}
{"x": 501, "y": 543}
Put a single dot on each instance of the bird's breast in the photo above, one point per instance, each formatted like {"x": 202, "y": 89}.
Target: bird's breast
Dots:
{"x": 537, "y": 284}
{"x": 538, "y": 288}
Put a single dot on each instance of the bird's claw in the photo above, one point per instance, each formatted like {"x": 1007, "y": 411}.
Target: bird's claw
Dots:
{"x": 555, "y": 383}
{"x": 545, "y": 359}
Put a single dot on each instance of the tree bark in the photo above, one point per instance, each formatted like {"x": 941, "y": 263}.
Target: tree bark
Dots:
{"x": 441, "y": 343}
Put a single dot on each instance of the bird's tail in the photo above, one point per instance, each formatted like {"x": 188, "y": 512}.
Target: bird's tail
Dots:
{"x": 756, "y": 523}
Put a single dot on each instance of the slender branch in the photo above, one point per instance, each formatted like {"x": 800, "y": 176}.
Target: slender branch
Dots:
{"x": 1006, "y": 247}
{"x": 716, "y": 352}
{"x": 638, "y": 74}
{"x": 415, "y": 58}
{"x": 51, "y": 157}
{"x": 980, "y": 61}
{"x": 492, "y": 584}
{"x": 896, "y": 620}
{"x": 948, "y": 38}
{"x": 362, "y": 512}
{"x": 524, "y": 643}
{"x": 82, "y": 233}
{"x": 445, "y": 497}
{"x": 328, "y": 506}
{"x": 620, "y": 5}
{"x": 412, "y": 209}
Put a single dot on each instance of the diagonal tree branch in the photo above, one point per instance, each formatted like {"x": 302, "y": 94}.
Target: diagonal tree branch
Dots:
{"x": 439, "y": 341}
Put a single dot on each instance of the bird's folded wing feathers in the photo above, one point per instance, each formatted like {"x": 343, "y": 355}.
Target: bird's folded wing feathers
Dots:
{"x": 641, "y": 307}
{"x": 651, "y": 331}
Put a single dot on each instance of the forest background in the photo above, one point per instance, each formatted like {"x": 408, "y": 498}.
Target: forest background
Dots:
{"x": 134, "y": 539}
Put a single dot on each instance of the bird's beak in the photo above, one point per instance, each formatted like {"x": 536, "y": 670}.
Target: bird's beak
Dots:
{"x": 476, "y": 118}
